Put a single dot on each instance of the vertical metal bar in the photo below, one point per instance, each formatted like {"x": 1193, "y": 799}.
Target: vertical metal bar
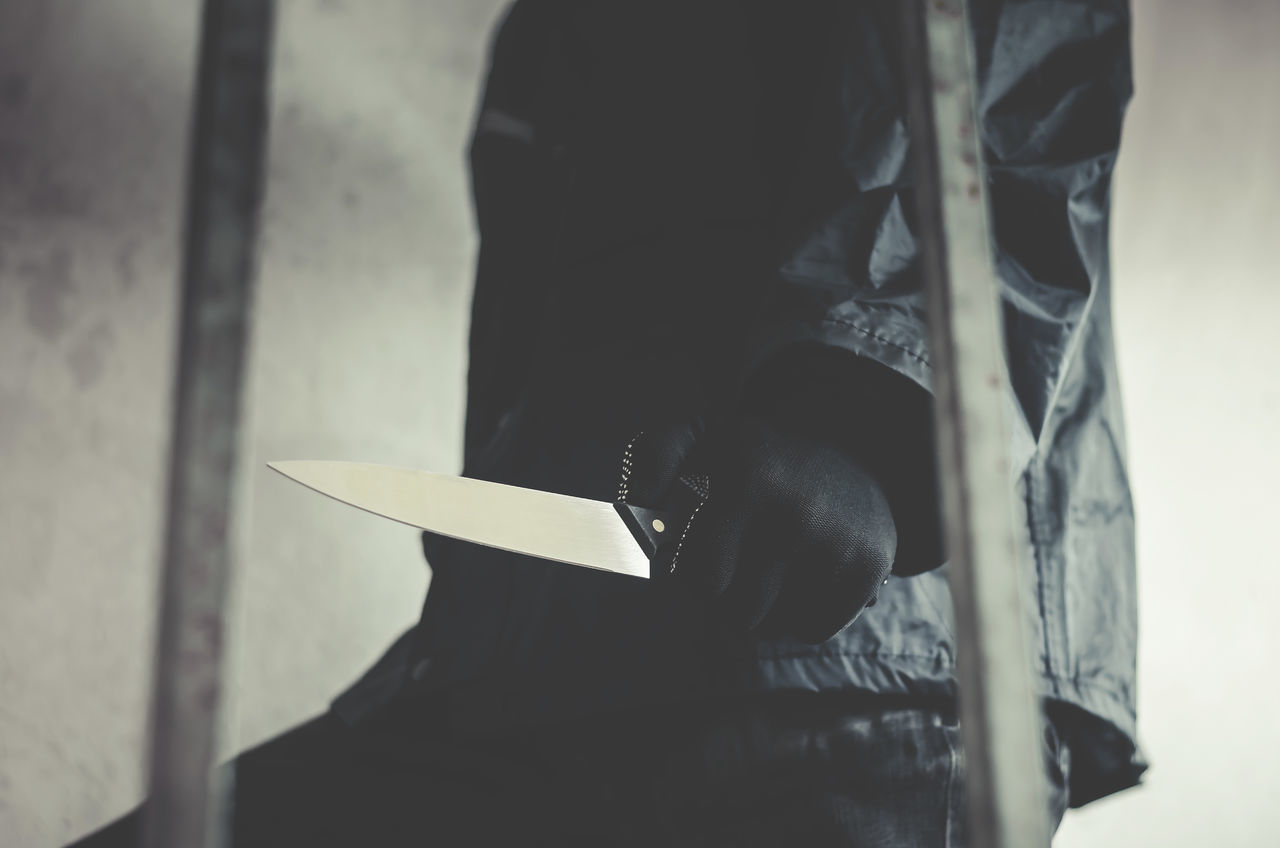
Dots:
{"x": 999, "y": 720}
{"x": 223, "y": 197}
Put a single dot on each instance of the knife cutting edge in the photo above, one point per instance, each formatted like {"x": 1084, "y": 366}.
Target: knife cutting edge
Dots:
{"x": 616, "y": 537}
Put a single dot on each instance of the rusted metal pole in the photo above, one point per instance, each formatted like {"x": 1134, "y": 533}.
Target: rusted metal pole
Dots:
{"x": 224, "y": 189}
{"x": 1000, "y": 724}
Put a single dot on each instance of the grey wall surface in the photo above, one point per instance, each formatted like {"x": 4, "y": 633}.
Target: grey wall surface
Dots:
{"x": 359, "y": 353}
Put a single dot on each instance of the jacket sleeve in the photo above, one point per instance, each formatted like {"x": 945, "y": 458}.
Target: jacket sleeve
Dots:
{"x": 1054, "y": 80}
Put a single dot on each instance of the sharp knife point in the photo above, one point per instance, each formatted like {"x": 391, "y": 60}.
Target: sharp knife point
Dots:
{"x": 285, "y": 468}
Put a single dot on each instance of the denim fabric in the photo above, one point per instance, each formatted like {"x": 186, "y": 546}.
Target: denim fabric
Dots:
{"x": 814, "y": 771}
{"x": 671, "y": 192}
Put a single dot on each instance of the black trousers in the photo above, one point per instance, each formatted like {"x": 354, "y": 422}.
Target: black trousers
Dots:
{"x": 793, "y": 770}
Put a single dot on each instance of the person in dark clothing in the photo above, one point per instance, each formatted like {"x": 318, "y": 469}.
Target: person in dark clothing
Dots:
{"x": 697, "y": 239}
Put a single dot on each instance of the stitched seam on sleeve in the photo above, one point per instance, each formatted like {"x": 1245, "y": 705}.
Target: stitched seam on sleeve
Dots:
{"x": 850, "y": 325}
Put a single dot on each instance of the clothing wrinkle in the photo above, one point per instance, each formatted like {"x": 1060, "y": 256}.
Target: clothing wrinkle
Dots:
{"x": 586, "y": 332}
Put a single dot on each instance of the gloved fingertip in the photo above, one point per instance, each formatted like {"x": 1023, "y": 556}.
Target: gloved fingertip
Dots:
{"x": 653, "y": 461}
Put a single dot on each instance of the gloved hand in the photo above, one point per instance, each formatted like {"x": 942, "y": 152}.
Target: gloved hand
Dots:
{"x": 795, "y": 538}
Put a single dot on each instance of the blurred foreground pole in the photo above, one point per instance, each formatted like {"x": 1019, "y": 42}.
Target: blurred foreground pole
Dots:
{"x": 224, "y": 188}
{"x": 1000, "y": 722}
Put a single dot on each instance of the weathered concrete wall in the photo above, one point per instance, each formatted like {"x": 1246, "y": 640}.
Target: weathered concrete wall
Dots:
{"x": 358, "y": 353}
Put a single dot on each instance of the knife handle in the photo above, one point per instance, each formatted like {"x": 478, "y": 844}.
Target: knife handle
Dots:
{"x": 660, "y": 533}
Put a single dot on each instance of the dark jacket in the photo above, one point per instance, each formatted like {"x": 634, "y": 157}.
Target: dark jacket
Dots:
{"x": 668, "y": 194}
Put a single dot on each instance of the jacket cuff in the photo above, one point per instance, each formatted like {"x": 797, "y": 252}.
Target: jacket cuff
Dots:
{"x": 880, "y": 415}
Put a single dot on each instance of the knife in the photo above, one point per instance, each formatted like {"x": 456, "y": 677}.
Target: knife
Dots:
{"x": 618, "y": 537}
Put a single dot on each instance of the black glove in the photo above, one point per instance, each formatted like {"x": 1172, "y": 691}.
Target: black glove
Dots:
{"x": 795, "y": 537}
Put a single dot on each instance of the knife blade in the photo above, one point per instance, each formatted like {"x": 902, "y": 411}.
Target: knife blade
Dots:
{"x": 615, "y": 537}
